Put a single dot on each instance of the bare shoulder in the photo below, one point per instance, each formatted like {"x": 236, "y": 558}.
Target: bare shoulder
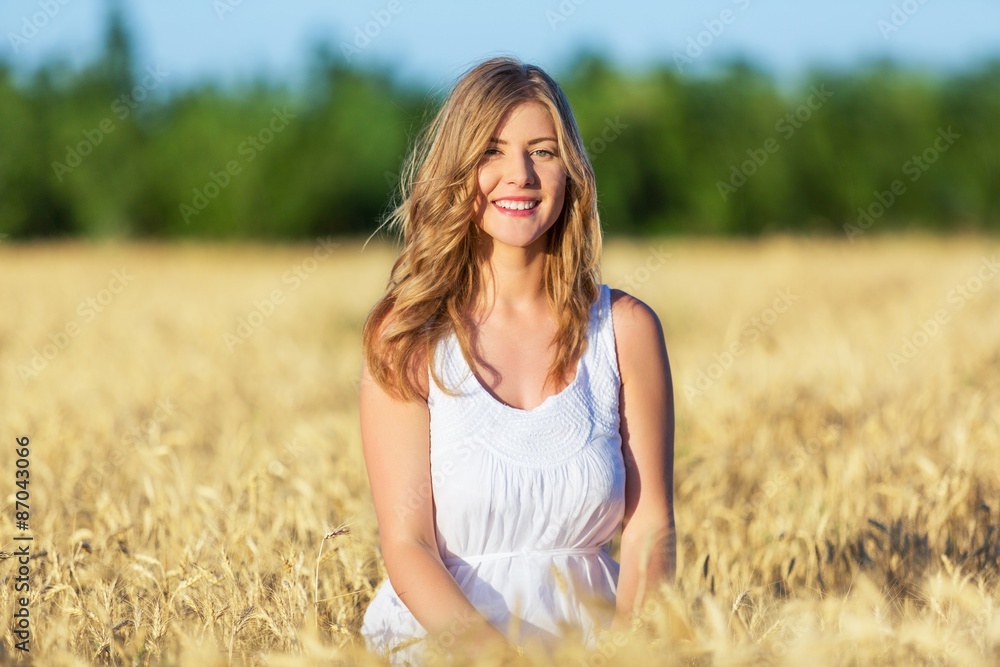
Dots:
{"x": 638, "y": 333}
{"x": 635, "y": 322}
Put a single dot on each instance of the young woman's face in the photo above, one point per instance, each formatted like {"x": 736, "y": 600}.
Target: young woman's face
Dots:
{"x": 522, "y": 178}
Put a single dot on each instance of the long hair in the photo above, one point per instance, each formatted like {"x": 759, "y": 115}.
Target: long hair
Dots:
{"x": 437, "y": 277}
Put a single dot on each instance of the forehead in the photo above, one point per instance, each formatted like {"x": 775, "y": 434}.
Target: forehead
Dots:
{"x": 526, "y": 117}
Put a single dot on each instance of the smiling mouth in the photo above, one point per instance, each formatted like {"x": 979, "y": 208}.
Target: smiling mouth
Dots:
{"x": 514, "y": 205}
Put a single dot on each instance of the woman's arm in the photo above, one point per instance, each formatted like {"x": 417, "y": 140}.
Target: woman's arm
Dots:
{"x": 395, "y": 437}
{"x": 646, "y": 407}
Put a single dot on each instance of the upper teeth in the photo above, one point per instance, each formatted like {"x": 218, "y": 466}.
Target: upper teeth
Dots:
{"x": 516, "y": 205}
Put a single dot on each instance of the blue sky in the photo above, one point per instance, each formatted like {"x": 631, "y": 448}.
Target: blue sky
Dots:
{"x": 432, "y": 41}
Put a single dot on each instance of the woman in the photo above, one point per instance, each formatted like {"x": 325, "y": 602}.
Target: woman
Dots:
{"x": 515, "y": 411}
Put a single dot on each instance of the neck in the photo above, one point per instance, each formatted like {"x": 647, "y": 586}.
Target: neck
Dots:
{"x": 512, "y": 280}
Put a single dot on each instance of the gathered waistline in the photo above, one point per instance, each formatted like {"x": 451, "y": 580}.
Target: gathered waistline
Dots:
{"x": 479, "y": 558}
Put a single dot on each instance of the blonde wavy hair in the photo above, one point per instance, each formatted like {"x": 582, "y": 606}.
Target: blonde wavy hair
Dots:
{"x": 436, "y": 280}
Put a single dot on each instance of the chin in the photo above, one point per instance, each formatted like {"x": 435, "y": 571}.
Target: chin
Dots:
{"x": 516, "y": 240}
{"x": 521, "y": 234}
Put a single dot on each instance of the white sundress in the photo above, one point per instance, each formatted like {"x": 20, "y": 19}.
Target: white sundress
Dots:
{"x": 526, "y": 502}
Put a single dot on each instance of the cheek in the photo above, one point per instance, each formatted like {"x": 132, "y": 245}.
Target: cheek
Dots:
{"x": 482, "y": 192}
{"x": 488, "y": 177}
{"x": 559, "y": 187}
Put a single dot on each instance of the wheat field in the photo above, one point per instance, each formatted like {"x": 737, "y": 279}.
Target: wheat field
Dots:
{"x": 198, "y": 494}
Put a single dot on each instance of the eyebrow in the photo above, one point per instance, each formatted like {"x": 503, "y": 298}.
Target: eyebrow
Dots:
{"x": 501, "y": 142}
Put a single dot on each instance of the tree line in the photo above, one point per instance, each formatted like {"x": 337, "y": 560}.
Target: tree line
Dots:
{"x": 102, "y": 151}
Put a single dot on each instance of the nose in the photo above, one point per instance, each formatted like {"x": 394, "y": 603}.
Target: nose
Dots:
{"x": 520, "y": 170}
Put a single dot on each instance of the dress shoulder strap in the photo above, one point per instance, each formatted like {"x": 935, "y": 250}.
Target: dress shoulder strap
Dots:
{"x": 605, "y": 355}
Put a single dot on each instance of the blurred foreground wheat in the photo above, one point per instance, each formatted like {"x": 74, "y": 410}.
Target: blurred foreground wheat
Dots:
{"x": 198, "y": 492}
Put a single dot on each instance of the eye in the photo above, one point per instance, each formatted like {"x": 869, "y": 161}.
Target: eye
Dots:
{"x": 545, "y": 153}
{"x": 491, "y": 151}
